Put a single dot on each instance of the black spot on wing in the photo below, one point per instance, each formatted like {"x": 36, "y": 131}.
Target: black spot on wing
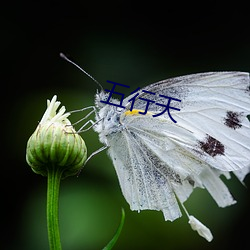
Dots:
{"x": 233, "y": 119}
{"x": 212, "y": 146}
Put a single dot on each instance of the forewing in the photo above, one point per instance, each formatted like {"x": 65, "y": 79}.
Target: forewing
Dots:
{"x": 213, "y": 108}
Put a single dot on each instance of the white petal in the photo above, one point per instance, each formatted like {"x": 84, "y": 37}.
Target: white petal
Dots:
{"x": 51, "y": 114}
{"x": 200, "y": 228}
{"x": 50, "y": 110}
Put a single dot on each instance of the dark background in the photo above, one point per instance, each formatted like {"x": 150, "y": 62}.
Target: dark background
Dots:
{"x": 134, "y": 43}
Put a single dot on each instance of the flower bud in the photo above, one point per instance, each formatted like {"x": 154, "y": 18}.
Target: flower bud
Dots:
{"x": 55, "y": 144}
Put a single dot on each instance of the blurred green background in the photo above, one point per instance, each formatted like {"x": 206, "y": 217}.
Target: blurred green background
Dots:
{"x": 134, "y": 43}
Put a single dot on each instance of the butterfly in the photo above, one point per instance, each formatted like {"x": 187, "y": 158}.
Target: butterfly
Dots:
{"x": 160, "y": 162}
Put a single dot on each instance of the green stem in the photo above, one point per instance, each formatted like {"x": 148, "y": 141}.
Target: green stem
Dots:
{"x": 54, "y": 177}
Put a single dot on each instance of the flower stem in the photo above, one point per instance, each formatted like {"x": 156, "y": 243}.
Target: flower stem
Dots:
{"x": 53, "y": 185}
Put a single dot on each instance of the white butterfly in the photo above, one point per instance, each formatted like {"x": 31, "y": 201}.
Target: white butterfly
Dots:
{"x": 159, "y": 162}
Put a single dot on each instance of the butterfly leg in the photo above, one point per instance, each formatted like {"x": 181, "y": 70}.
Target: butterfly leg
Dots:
{"x": 86, "y": 116}
{"x": 96, "y": 152}
{"x": 81, "y": 129}
{"x": 91, "y": 155}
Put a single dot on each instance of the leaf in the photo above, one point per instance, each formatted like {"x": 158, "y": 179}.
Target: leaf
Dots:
{"x": 117, "y": 234}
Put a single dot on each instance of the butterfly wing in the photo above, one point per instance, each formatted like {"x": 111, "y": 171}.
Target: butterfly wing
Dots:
{"x": 153, "y": 169}
{"x": 157, "y": 159}
{"x": 141, "y": 183}
{"x": 214, "y": 107}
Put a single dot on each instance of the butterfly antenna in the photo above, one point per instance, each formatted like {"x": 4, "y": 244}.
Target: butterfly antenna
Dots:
{"x": 68, "y": 60}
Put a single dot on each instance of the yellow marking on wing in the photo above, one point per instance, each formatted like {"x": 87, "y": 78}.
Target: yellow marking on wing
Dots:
{"x": 136, "y": 112}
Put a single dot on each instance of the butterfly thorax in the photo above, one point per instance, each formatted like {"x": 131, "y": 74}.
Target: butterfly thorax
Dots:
{"x": 107, "y": 118}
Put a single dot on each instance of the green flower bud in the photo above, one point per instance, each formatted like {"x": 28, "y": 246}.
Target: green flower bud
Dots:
{"x": 55, "y": 144}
